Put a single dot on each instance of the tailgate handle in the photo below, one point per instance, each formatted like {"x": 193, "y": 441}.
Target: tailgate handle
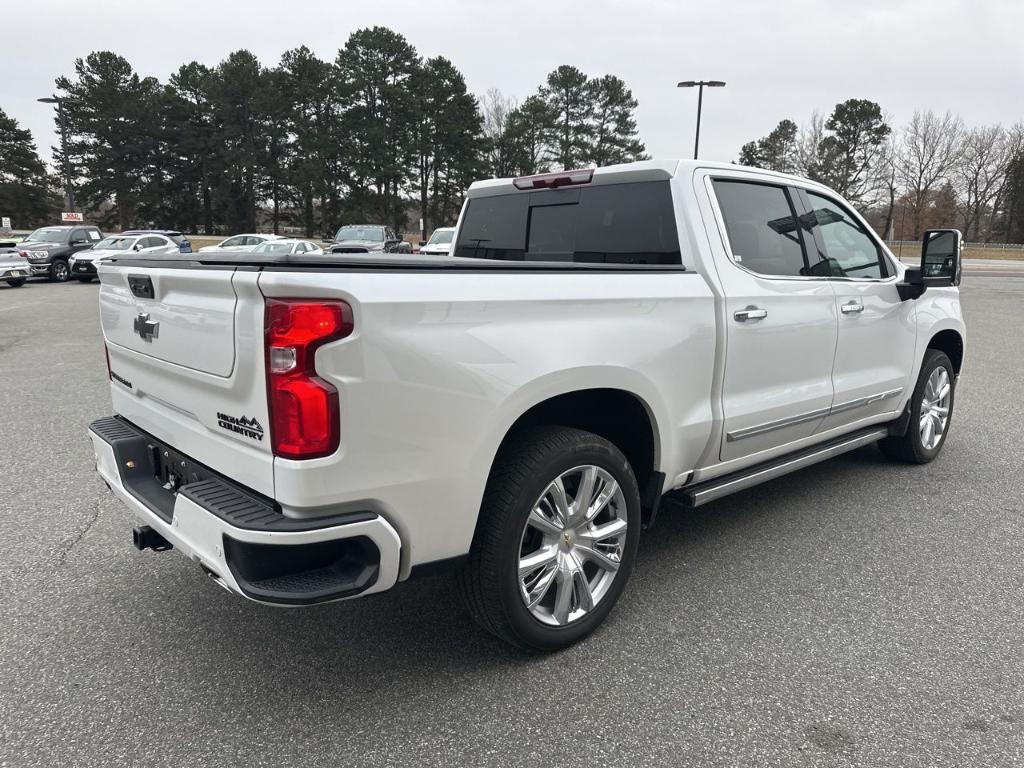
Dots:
{"x": 141, "y": 286}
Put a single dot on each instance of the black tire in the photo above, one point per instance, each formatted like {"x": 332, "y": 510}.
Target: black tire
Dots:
{"x": 524, "y": 468}
{"x": 17, "y": 282}
{"x": 59, "y": 271}
{"x": 909, "y": 447}
{"x": 86, "y": 279}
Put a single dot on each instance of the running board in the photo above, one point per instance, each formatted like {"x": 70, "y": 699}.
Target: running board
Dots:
{"x": 709, "y": 490}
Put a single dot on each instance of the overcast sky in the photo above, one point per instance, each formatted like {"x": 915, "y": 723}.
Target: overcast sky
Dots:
{"x": 780, "y": 58}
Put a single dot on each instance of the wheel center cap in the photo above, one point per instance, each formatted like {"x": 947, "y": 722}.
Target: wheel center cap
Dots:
{"x": 567, "y": 539}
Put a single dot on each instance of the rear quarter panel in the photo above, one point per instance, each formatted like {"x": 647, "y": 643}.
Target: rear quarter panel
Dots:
{"x": 440, "y": 365}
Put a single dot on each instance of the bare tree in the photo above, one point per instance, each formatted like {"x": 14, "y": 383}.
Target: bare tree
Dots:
{"x": 979, "y": 176}
{"x": 1003, "y": 203}
{"x": 887, "y": 173}
{"x": 807, "y": 142}
{"x": 496, "y": 109}
{"x": 928, "y": 155}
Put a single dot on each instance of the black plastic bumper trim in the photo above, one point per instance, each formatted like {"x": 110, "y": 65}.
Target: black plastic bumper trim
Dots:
{"x": 303, "y": 574}
{"x": 143, "y": 463}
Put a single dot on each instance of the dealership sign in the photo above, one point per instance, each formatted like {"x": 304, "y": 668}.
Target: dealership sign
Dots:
{"x": 66, "y": 216}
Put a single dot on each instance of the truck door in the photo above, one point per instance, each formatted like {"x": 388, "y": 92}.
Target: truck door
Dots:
{"x": 781, "y": 320}
{"x": 875, "y": 351}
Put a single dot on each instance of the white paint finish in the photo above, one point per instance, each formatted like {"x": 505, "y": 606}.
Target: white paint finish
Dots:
{"x": 198, "y": 534}
{"x": 442, "y": 363}
{"x": 179, "y": 405}
{"x": 777, "y": 368}
{"x": 195, "y": 310}
{"x": 876, "y": 347}
{"x": 780, "y": 367}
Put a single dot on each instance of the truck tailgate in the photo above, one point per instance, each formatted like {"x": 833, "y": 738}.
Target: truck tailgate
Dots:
{"x": 186, "y": 358}
{"x": 191, "y": 314}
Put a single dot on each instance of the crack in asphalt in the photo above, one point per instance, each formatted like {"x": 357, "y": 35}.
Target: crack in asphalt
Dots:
{"x": 66, "y": 549}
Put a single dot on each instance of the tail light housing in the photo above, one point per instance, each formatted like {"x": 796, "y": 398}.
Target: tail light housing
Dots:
{"x": 304, "y": 414}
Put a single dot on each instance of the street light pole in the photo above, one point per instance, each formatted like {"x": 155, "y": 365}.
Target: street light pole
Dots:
{"x": 68, "y": 190}
{"x": 699, "y": 84}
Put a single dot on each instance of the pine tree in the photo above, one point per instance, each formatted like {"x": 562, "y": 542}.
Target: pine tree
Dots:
{"x": 531, "y": 135}
{"x": 236, "y": 92}
{"x": 613, "y": 134}
{"x": 849, "y": 156}
{"x": 774, "y": 152}
{"x": 192, "y": 153}
{"x": 310, "y": 85}
{"x": 570, "y": 99}
{"x": 112, "y": 117}
{"x": 26, "y": 191}
{"x": 376, "y": 71}
{"x": 450, "y": 141}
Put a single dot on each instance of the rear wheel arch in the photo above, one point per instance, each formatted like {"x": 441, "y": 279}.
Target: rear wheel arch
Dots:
{"x": 618, "y": 415}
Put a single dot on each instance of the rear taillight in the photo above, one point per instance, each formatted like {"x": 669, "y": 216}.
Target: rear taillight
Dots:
{"x": 304, "y": 420}
{"x": 553, "y": 180}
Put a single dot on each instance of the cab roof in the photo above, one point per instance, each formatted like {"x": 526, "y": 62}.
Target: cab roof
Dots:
{"x": 642, "y": 170}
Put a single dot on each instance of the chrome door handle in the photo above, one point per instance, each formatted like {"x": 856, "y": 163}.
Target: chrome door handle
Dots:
{"x": 852, "y": 308}
{"x": 750, "y": 313}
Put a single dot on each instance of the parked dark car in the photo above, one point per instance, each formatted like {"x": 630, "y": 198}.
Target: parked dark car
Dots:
{"x": 368, "y": 238}
{"x": 183, "y": 243}
{"x": 49, "y": 248}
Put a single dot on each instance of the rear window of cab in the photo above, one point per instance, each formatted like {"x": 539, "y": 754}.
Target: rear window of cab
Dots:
{"x": 604, "y": 224}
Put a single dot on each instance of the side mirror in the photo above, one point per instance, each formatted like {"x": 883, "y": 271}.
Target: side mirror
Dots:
{"x": 940, "y": 257}
{"x": 137, "y": 247}
{"x": 940, "y": 263}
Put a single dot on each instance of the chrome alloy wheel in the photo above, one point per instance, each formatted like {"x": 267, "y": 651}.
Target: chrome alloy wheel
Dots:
{"x": 572, "y": 545}
{"x": 935, "y": 408}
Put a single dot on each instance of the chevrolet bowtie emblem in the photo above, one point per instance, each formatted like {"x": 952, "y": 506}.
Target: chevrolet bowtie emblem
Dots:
{"x": 146, "y": 328}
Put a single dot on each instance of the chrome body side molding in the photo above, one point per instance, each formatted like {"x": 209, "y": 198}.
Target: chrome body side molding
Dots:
{"x": 760, "y": 429}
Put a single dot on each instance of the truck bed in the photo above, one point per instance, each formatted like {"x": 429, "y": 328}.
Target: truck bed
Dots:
{"x": 350, "y": 262}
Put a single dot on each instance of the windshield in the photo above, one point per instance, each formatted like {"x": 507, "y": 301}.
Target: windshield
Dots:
{"x": 114, "y": 244}
{"x": 48, "y": 236}
{"x": 441, "y": 237}
{"x": 272, "y": 247}
{"x": 372, "y": 234}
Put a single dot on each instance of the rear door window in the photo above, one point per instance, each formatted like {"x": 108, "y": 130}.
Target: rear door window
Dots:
{"x": 762, "y": 228}
{"x": 603, "y": 224}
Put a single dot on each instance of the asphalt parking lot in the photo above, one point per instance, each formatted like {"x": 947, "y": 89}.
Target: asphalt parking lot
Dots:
{"x": 857, "y": 613}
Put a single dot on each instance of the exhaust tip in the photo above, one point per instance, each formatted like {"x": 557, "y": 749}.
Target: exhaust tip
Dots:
{"x": 144, "y": 537}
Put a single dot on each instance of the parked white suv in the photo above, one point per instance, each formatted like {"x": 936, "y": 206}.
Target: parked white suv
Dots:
{"x": 311, "y": 432}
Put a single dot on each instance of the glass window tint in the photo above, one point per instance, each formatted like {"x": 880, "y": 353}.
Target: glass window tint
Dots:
{"x": 628, "y": 224}
{"x": 494, "y": 228}
{"x": 850, "y": 250}
{"x": 762, "y": 228}
{"x": 613, "y": 224}
{"x": 552, "y": 232}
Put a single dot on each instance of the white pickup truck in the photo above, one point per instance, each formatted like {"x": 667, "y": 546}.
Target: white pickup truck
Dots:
{"x": 311, "y": 429}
